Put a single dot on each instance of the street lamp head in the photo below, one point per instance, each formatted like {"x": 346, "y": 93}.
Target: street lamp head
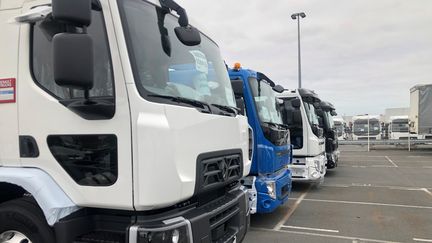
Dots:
{"x": 302, "y": 15}
{"x": 294, "y": 16}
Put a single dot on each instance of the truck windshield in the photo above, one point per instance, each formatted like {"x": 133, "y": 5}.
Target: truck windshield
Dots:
{"x": 311, "y": 113}
{"x": 329, "y": 120}
{"x": 265, "y": 101}
{"x": 339, "y": 128}
{"x": 163, "y": 67}
{"x": 361, "y": 127}
{"x": 400, "y": 125}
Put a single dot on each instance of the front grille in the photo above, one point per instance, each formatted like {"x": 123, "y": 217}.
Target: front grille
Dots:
{"x": 219, "y": 169}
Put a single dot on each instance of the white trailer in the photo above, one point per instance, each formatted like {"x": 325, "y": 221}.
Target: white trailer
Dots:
{"x": 421, "y": 110}
{"x": 116, "y": 125}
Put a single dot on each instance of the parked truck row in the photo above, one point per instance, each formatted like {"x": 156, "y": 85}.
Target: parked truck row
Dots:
{"x": 120, "y": 122}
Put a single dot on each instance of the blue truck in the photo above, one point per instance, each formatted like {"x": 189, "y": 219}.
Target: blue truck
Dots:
{"x": 269, "y": 181}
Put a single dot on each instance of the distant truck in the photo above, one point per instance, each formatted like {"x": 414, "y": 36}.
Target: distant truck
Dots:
{"x": 326, "y": 111}
{"x": 340, "y": 126}
{"x": 307, "y": 138}
{"x": 361, "y": 130}
{"x": 269, "y": 182}
{"x": 421, "y": 110}
{"x": 399, "y": 128}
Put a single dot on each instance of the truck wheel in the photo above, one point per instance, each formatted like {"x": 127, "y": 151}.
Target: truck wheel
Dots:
{"x": 22, "y": 221}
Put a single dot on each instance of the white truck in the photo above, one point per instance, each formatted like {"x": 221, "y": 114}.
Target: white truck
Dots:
{"x": 421, "y": 111}
{"x": 101, "y": 138}
{"x": 399, "y": 128}
{"x": 340, "y": 126}
{"x": 366, "y": 126}
{"x": 307, "y": 138}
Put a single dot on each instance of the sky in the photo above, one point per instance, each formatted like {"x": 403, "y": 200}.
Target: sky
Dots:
{"x": 361, "y": 55}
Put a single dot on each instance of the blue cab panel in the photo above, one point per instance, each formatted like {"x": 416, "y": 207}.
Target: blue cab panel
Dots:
{"x": 272, "y": 152}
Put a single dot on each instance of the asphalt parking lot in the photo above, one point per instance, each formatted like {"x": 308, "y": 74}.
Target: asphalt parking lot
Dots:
{"x": 377, "y": 196}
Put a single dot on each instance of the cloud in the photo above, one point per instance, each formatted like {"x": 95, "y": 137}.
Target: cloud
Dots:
{"x": 362, "y": 55}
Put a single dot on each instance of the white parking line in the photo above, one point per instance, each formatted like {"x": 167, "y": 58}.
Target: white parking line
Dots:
{"x": 307, "y": 228}
{"x": 291, "y": 210}
{"x": 393, "y": 163}
{"x": 421, "y": 240}
{"x": 368, "y": 203}
{"x": 352, "y": 238}
{"x": 427, "y": 191}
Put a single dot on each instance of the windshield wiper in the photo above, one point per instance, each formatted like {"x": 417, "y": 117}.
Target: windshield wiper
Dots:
{"x": 277, "y": 125}
{"x": 195, "y": 103}
{"x": 229, "y": 109}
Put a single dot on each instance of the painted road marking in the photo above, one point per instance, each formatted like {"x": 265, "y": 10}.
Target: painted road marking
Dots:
{"x": 291, "y": 210}
{"x": 307, "y": 228}
{"x": 422, "y": 240}
{"x": 391, "y": 161}
{"x": 368, "y": 203}
{"x": 427, "y": 191}
{"x": 352, "y": 238}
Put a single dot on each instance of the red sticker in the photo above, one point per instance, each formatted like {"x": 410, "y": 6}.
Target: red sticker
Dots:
{"x": 7, "y": 90}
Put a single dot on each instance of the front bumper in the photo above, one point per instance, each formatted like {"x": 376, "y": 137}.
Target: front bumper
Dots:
{"x": 308, "y": 169}
{"x": 267, "y": 201}
{"x": 222, "y": 220}
{"x": 332, "y": 159}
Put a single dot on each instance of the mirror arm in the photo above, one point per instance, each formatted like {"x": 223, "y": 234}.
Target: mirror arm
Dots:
{"x": 183, "y": 18}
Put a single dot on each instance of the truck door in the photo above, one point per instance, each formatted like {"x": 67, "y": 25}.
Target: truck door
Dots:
{"x": 87, "y": 152}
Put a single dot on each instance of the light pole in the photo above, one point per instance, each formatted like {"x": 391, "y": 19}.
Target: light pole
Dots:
{"x": 298, "y": 16}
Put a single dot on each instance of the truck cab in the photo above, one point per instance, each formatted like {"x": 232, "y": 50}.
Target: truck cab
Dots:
{"x": 366, "y": 127}
{"x": 118, "y": 124}
{"x": 298, "y": 112}
{"x": 269, "y": 181}
{"x": 399, "y": 128}
{"x": 326, "y": 111}
{"x": 340, "y": 126}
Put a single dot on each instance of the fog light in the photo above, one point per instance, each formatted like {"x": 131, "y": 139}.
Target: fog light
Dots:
{"x": 179, "y": 232}
{"x": 315, "y": 175}
{"x": 271, "y": 189}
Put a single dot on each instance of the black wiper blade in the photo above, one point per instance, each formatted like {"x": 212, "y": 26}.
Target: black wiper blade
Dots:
{"x": 276, "y": 125}
{"x": 178, "y": 99}
{"x": 229, "y": 109}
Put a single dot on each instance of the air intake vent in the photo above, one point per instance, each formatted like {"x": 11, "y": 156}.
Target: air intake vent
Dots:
{"x": 218, "y": 169}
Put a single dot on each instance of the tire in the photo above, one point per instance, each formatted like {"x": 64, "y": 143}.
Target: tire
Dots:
{"x": 23, "y": 215}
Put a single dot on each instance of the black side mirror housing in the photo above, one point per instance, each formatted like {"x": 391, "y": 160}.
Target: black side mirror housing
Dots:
{"x": 237, "y": 85}
{"x": 296, "y": 103}
{"x": 278, "y": 88}
{"x": 333, "y": 113}
{"x": 73, "y": 61}
{"x": 74, "y": 12}
{"x": 189, "y": 35}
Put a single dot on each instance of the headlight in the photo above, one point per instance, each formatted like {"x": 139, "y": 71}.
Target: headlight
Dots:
{"x": 172, "y": 233}
{"x": 271, "y": 189}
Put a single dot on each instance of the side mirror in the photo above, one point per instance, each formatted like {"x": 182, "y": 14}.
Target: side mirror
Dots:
{"x": 76, "y": 12}
{"x": 296, "y": 103}
{"x": 73, "y": 61}
{"x": 333, "y": 113}
{"x": 237, "y": 85}
{"x": 278, "y": 88}
{"x": 241, "y": 105}
{"x": 189, "y": 35}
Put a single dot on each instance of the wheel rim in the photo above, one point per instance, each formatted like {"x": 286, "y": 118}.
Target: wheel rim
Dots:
{"x": 13, "y": 236}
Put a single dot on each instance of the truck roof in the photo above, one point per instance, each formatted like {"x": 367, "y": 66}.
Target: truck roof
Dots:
{"x": 11, "y": 4}
{"x": 420, "y": 87}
